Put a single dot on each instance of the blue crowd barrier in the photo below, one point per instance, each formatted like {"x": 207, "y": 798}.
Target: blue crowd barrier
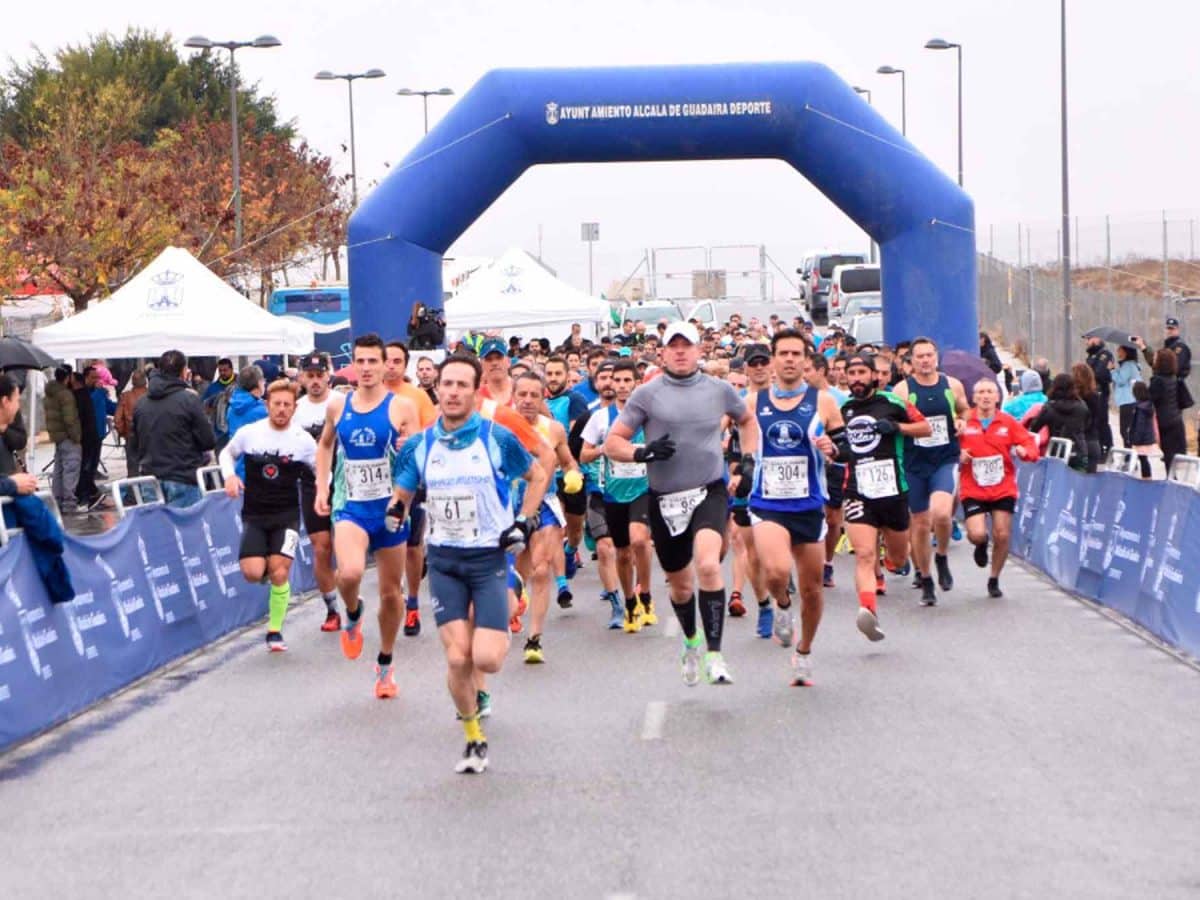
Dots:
{"x": 1128, "y": 544}
{"x": 163, "y": 583}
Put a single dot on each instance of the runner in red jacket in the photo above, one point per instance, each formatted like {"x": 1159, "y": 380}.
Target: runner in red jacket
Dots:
{"x": 988, "y": 483}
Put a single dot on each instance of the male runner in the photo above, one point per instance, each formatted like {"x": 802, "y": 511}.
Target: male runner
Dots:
{"x": 988, "y": 484}
{"x": 758, "y": 378}
{"x": 689, "y": 501}
{"x": 798, "y": 425}
{"x": 876, "y": 493}
{"x": 466, "y": 464}
{"x": 278, "y": 455}
{"x": 816, "y": 373}
{"x": 394, "y": 377}
{"x": 930, "y": 462}
{"x": 536, "y": 564}
{"x": 366, "y": 425}
{"x": 565, "y": 407}
{"x": 497, "y": 379}
{"x": 626, "y": 502}
{"x": 310, "y": 416}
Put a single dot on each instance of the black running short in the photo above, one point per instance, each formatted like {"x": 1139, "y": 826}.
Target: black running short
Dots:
{"x": 889, "y": 512}
{"x": 741, "y": 516}
{"x": 416, "y": 525}
{"x": 596, "y": 520}
{"x": 973, "y": 507}
{"x": 275, "y": 535}
{"x": 835, "y": 485}
{"x": 621, "y": 515}
{"x": 312, "y": 522}
{"x": 802, "y": 527}
{"x": 573, "y": 504}
{"x": 675, "y": 551}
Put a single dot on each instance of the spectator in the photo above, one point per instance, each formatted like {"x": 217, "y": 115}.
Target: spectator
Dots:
{"x": 1141, "y": 426}
{"x": 123, "y": 420}
{"x": 245, "y": 403}
{"x": 1164, "y": 394}
{"x": 1067, "y": 417}
{"x": 1173, "y": 342}
{"x": 987, "y": 350}
{"x": 14, "y": 439}
{"x": 216, "y": 398}
{"x": 1031, "y": 395}
{"x": 1041, "y": 365}
{"x": 62, "y": 424}
{"x": 87, "y": 493}
{"x": 173, "y": 434}
{"x": 1089, "y": 393}
{"x": 1100, "y": 360}
{"x": 270, "y": 371}
{"x": 1125, "y": 372}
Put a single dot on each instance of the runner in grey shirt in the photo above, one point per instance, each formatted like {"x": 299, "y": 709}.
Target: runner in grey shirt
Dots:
{"x": 680, "y": 413}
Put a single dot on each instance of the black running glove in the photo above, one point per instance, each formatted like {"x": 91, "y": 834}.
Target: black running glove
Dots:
{"x": 655, "y": 451}
{"x": 884, "y": 427}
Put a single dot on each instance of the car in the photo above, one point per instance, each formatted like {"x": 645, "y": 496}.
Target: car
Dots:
{"x": 858, "y": 304}
{"x": 848, "y": 280}
{"x": 815, "y": 273}
{"x": 715, "y": 313}
{"x": 651, "y": 312}
{"x": 866, "y": 329}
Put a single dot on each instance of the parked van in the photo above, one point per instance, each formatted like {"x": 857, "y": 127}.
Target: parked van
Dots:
{"x": 848, "y": 280}
{"x": 815, "y": 273}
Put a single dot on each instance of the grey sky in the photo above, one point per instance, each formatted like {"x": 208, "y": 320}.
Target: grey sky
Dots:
{"x": 1134, "y": 93}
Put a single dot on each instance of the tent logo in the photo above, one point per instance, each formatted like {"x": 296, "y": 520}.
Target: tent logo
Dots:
{"x": 551, "y": 113}
{"x": 166, "y": 291}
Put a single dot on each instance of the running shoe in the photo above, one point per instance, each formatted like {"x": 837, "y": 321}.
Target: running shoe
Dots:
{"x": 564, "y": 598}
{"x": 981, "y": 554}
{"x": 633, "y": 619}
{"x": 572, "y": 563}
{"x": 275, "y": 642}
{"x": 715, "y": 669}
{"x": 522, "y": 602}
{"x": 801, "y": 669}
{"x": 827, "y": 576}
{"x": 534, "y": 655}
{"x": 868, "y": 624}
{"x": 474, "y": 759}
{"x": 737, "y": 608}
{"x": 994, "y": 588}
{"x": 649, "y": 616}
{"x": 333, "y": 621}
{"x": 916, "y": 582}
{"x": 899, "y": 570}
{"x": 689, "y": 660}
{"x": 880, "y": 586}
{"x": 515, "y": 626}
{"x": 352, "y": 635}
{"x": 483, "y": 702}
{"x": 617, "y": 621}
{"x": 785, "y": 626}
{"x": 928, "y": 594}
{"x": 945, "y": 579}
{"x": 766, "y": 622}
{"x": 385, "y": 682}
{"x": 955, "y": 531}
{"x": 412, "y": 622}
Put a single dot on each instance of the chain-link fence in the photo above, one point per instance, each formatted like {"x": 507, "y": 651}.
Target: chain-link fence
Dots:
{"x": 1022, "y": 308}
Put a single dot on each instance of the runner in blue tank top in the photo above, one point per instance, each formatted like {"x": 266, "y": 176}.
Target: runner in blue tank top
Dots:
{"x": 367, "y": 426}
{"x": 930, "y": 463}
{"x": 798, "y": 425}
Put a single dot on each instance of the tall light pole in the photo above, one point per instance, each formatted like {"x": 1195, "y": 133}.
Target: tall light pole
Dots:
{"x": 1066, "y": 199}
{"x": 865, "y": 91}
{"x": 425, "y": 95}
{"x": 939, "y": 44}
{"x": 350, "y": 78}
{"x": 202, "y": 43}
{"x": 890, "y": 70}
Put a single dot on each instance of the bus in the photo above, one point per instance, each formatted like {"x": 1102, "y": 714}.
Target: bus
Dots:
{"x": 325, "y": 307}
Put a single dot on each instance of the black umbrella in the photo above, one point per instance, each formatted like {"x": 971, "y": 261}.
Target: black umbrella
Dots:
{"x": 16, "y": 353}
{"x": 1111, "y": 335}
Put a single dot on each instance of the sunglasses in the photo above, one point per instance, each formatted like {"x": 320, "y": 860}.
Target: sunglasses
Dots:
{"x": 757, "y": 361}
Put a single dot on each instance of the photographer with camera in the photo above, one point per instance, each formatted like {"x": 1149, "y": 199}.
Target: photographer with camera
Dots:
{"x": 426, "y": 328}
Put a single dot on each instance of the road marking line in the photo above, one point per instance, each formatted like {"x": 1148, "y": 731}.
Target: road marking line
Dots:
{"x": 652, "y": 724}
{"x": 672, "y": 627}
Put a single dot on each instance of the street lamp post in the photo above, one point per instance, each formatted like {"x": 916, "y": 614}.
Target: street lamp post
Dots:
{"x": 1066, "y": 200}
{"x": 350, "y": 78}
{"x": 425, "y": 95}
{"x": 891, "y": 70}
{"x": 197, "y": 42}
{"x": 939, "y": 44}
{"x": 865, "y": 91}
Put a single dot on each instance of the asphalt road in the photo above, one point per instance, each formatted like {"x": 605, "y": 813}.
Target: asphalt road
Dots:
{"x": 1023, "y": 747}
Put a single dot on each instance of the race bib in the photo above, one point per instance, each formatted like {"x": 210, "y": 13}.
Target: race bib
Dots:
{"x": 367, "y": 479}
{"x": 677, "y": 508}
{"x": 627, "y": 469}
{"x": 453, "y": 516}
{"x": 877, "y": 479}
{"x": 940, "y": 436}
{"x": 785, "y": 477}
{"x": 988, "y": 471}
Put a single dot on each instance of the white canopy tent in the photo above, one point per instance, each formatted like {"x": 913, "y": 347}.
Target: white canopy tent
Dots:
{"x": 174, "y": 303}
{"x": 517, "y": 295}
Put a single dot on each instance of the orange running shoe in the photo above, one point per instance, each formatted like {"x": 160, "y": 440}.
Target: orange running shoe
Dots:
{"x": 385, "y": 682}
{"x": 737, "y": 608}
{"x": 522, "y": 603}
{"x": 412, "y": 623}
{"x": 515, "y": 626}
{"x": 333, "y": 621}
{"x": 352, "y": 637}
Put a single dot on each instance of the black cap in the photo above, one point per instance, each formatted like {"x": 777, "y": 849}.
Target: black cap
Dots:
{"x": 1172, "y": 322}
{"x": 860, "y": 359}
{"x": 756, "y": 351}
{"x": 315, "y": 361}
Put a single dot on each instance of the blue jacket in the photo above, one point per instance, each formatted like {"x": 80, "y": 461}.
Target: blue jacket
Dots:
{"x": 1022, "y": 403}
{"x": 244, "y": 408}
{"x": 1123, "y": 378}
{"x": 44, "y": 536}
{"x": 104, "y": 408}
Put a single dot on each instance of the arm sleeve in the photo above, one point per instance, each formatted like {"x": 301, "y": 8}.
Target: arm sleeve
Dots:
{"x": 233, "y": 450}
{"x": 8, "y": 487}
{"x": 633, "y": 416}
{"x": 308, "y": 451}
{"x": 405, "y": 474}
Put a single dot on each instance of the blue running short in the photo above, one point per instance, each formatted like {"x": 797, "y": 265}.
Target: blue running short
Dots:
{"x": 466, "y": 580}
{"x": 921, "y": 486}
{"x": 378, "y": 535}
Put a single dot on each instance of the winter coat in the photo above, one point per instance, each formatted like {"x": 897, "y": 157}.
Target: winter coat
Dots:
{"x": 1141, "y": 428}
{"x": 103, "y": 408}
{"x": 123, "y": 419}
{"x": 1066, "y": 419}
{"x": 1123, "y": 377}
{"x": 16, "y": 436}
{"x": 1164, "y": 394}
{"x": 62, "y": 415}
{"x": 173, "y": 433}
{"x": 244, "y": 408}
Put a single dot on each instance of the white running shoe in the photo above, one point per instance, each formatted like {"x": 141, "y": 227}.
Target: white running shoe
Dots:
{"x": 474, "y": 760}
{"x": 690, "y": 662}
{"x": 801, "y": 669}
{"x": 785, "y": 626}
{"x": 715, "y": 670}
{"x": 868, "y": 624}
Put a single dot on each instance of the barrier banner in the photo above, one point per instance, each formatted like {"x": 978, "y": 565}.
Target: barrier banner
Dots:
{"x": 1103, "y": 511}
{"x": 162, "y": 583}
{"x": 1030, "y": 485}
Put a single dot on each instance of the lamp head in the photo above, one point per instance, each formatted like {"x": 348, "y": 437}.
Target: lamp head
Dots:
{"x": 266, "y": 40}
{"x": 374, "y": 73}
{"x": 888, "y": 70}
{"x": 939, "y": 44}
{"x": 196, "y": 42}
{"x": 444, "y": 92}
{"x": 324, "y": 75}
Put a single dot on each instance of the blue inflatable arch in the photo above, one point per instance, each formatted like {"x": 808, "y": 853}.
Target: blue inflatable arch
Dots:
{"x": 797, "y": 112}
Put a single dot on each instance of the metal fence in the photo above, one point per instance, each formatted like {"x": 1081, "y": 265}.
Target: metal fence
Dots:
{"x": 1022, "y": 308}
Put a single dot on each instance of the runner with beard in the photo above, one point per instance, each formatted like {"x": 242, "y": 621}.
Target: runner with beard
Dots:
{"x": 816, "y": 371}
{"x": 876, "y": 500}
{"x": 680, "y": 413}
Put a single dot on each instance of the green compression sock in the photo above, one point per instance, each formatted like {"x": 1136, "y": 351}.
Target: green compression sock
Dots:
{"x": 277, "y": 602}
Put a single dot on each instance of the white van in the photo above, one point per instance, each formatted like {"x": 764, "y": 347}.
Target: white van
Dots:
{"x": 848, "y": 280}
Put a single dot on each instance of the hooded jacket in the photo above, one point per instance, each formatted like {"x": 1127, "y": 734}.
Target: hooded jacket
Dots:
{"x": 244, "y": 408}
{"x": 62, "y": 415}
{"x": 173, "y": 433}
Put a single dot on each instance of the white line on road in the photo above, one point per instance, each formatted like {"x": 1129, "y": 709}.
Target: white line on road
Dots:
{"x": 652, "y": 724}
